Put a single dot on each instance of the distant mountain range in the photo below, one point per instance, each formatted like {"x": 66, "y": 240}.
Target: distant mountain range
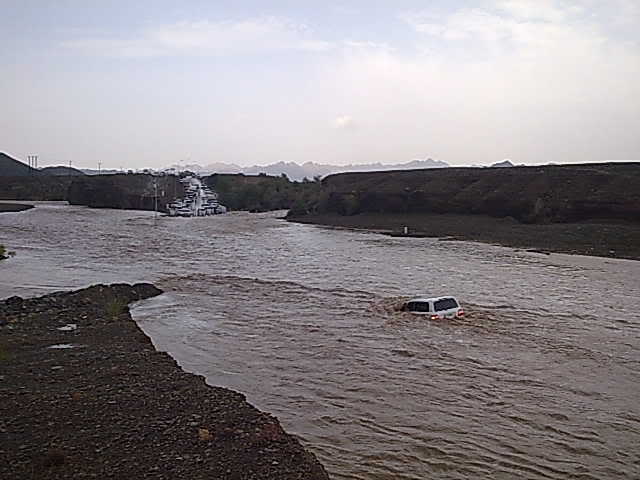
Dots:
{"x": 503, "y": 164}
{"x": 102, "y": 171}
{"x": 308, "y": 169}
{"x": 9, "y": 166}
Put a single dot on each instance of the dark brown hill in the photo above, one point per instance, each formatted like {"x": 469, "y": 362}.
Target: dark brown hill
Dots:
{"x": 62, "y": 170}
{"x": 126, "y": 191}
{"x": 542, "y": 194}
{"x": 34, "y": 187}
{"x": 10, "y": 167}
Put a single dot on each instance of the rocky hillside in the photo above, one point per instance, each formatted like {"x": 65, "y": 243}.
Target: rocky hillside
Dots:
{"x": 545, "y": 194}
{"x": 18, "y": 181}
{"x": 10, "y": 167}
{"x": 34, "y": 187}
{"x": 61, "y": 170}
{"x": 126, "y": 191}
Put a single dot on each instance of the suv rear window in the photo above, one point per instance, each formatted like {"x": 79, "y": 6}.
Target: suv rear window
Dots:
{"x": 418, "y": 306}
{"x": 445, "y": 304}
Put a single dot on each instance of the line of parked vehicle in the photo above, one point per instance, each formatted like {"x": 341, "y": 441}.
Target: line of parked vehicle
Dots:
{"x": 199, "y": 201}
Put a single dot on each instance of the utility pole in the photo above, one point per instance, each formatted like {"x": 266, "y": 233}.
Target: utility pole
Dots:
{"x": 155, "y": 201}
{"x": 99, "y": 169}
{"x": 32, "y": 161}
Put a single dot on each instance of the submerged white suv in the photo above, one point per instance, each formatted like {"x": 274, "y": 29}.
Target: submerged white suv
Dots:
{"x": 435, "y": 307}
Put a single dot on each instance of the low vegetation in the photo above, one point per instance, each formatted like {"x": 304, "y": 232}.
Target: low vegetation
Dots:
{"x": 115, "y": 307}
{"x": 4, "y": 353}
{"x": 261, "y": 193}
{"x": 4, "y": 253}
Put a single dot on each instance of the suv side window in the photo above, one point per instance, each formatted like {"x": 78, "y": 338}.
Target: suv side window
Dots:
{"x": 445, "y": 304}
{"x": 418, "y": 306}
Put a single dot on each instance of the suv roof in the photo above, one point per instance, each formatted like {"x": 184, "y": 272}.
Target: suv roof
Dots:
{"x": 430, "y": 299}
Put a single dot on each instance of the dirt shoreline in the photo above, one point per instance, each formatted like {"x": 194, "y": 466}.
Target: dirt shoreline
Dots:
{"x": 114, "y": 407}
{"x": 14, "y": 207}
{"x": 596, "y": 238}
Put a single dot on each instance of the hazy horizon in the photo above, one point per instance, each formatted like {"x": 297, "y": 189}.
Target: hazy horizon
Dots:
{"x": 153, "y": 83}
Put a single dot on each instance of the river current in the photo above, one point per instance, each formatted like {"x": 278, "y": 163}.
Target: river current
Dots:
{"x": 540, "y": 380}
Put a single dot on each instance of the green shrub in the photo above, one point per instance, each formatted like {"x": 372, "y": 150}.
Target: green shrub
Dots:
{"x": 4, "y": 253}
{"x": 115, "y": 307}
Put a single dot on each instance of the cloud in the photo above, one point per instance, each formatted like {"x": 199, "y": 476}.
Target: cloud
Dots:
{"x": 517, "y": 23}
{"x": 501, "y": 21}
{"x": 524, "y": 29}
{"x": 343, "y": 122}
{"x": 468, "y": 85}
{"x": 351, "y": 44}
{"x": 345, "y": 10}
{"x": 463, "y": 24}
{"x": 540, "y": 10}
{"x": 555, "y": 85}
{"x": 206, "y": 37}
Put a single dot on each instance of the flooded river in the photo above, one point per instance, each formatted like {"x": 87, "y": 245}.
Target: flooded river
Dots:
{"x": 540, "y": 381}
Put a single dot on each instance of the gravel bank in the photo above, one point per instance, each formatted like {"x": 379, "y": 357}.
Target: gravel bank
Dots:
{"x": 598, "y": 238}
{"x": 84, "y": 394}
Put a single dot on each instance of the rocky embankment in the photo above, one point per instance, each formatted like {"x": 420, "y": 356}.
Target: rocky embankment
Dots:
{"x": 125, "y": 191}
{"x": 83, "y": 394}
{"x": 589, "y": 209}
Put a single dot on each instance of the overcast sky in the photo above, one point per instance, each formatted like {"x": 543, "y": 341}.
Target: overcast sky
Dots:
{"x": 150, "y": 83}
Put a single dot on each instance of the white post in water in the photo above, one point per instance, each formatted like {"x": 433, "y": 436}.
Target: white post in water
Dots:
{"x": 406, "y": 230}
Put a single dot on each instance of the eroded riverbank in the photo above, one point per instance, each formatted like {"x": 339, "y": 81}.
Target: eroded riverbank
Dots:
{"x": 615, "y": 240}
{"x": 84, "y": 394}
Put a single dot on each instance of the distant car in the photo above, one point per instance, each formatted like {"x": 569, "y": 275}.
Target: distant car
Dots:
{"x": 436, "y": 308}
{"x": 184, "y": 212}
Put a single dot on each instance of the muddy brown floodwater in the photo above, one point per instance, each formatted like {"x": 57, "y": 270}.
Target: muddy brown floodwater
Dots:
{"x": 541, "y": 380}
